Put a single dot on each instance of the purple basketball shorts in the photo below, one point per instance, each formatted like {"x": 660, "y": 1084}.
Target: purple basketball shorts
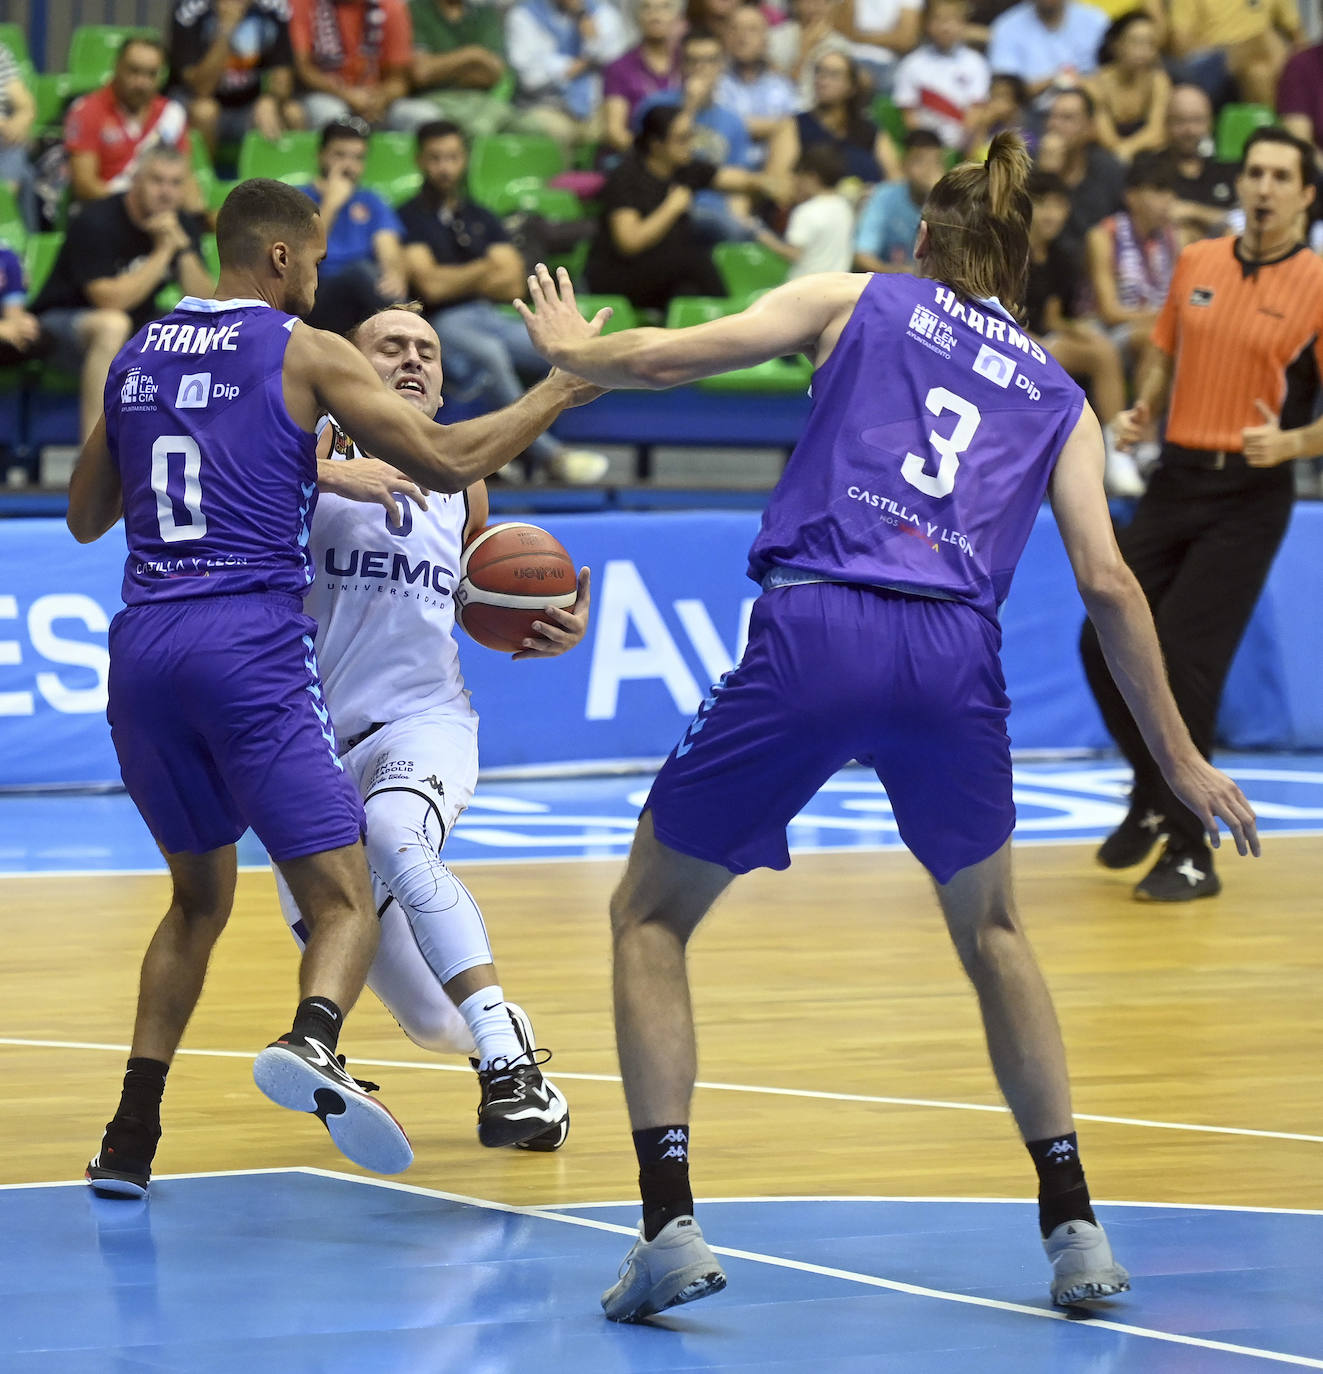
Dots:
{"x": 908, "y": 685}
{"x": 217, "y": 716}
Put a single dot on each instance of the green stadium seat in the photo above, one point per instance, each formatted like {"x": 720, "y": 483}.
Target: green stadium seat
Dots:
{"x": 498, "y": 160}
{"x": 889, "y": 118}
{"x": 40, "y": 258}
{"x": 1235, "y": 124}
{"x": 15, "y": 39}
{"x": 684, "y": 311}
{"x": 623, "y": 316}
{"x": 533, "y": 196}
{"x": 92, "y": 52}
{"x": 391, "y": 171}
{"x": 13, "y": 231}
{"x": 211, "y": 255}
{"x": 292, "y": 157}
{"x": 777, "y": 376}
{"x": 52, "y": 91}
{"x": 749, "y": 267}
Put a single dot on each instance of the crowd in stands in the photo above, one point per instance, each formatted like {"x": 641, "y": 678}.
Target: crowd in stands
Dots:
{"x": 813, "y": 130}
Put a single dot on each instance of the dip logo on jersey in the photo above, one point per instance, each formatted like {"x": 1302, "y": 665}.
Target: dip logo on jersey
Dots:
{"x": 932, "y": 331}
{"x": 139, "y": 390}
{"x": 194, "y": 391}
{"x": 1000, "y": 369}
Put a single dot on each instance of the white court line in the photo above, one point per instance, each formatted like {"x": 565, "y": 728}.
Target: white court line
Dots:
{"x": 776, "y": 1261}
{"x": 812, "y": 1093}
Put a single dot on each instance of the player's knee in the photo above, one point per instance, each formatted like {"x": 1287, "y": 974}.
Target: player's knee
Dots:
{"x": 984, "y": 944}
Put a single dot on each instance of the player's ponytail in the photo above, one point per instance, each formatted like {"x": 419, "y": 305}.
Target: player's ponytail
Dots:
{"x": 978, "y": 225}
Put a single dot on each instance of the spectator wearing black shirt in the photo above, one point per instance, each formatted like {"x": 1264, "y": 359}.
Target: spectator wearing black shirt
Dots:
{"x": 220, "y": 52}
{"x": 1094, "y": 179}
{"x": 1205, "y": 188}
{"x": 647, "y": 247}
{"x": 461, "y": 263}
{"x": 118, "y": 253}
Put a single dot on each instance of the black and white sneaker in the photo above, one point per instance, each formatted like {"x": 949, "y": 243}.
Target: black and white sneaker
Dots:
{"x": 1132, "y": 841}
{"x": 518, "y": 1105}
{"x": 1179, "y": 876}
{"x": 307, "y": 1077}
{"x": 113, "y": 1173}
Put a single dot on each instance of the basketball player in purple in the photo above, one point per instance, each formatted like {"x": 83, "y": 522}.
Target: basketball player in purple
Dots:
{"x": 885, "y": 551}
{"x": 208, "y": 450}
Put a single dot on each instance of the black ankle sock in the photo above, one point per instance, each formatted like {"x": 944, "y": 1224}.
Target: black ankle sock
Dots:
{"x": 318, "y": 1018}
{"x": 663, "y": 1155}
{"x": 144, "y": 1085}
{"x": 1063, "y": 1194}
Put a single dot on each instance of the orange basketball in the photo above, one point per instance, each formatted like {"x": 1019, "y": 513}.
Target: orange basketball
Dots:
{"x": 508, "y": 575}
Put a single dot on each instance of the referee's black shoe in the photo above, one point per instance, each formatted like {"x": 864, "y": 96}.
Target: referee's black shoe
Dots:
{"x": 1132, "y": 841}
{"x": 1180, "y": 875}
{"x": 122, "y": 1167}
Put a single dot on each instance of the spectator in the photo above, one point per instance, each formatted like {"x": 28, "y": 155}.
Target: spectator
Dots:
{"x": 880, "y": 31}
{"x": 712, "y": 16}
{"x": 1051, "y": 294}
{"x": 762, "y": 97}
{"x": 351, "y": 57}
{"x": 1005, "y": 108}
{"x": 1132, "y": 254}
{"x": 17, "y": 112}
{"x": 820, "y": 233}
{"x": 795, "y": 46}
{"x": 943, "y": 85}
{"x": 1300, "y": 96}
{"x": 222, "y": 54}
{"x": 1243, "y": 43}
{"x": 19, "y": 327}
{"x": 889, "y": 223}
{"x": 1205, "y": 188}
{"x": 461, "y": 263}
{"x": 558, "y": 49}
{"x": 647, "y": 247}
{"x": 1047, "y": 42}
{"x": 458, "y": 58}
{"x": 1131, "y": 90}
{"x": 645, "y": 70}
{"x": 107, "y": 131}
{"x": 838, "y": 117}
{"x": 363, "y": 269}
{"x": 118, "y": 253}
{"x": 1093, "y": 176}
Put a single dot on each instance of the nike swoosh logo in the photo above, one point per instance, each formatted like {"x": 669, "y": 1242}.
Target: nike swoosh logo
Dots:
{"x": 491, "y": 1007}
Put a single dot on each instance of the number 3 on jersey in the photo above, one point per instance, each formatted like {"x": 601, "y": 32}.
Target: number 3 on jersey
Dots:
{"x": 948, "y": 447}
{"x": 166, "y": 453}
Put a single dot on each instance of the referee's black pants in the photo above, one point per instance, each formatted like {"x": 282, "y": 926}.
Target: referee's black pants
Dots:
{"x": 1200, "y": 544}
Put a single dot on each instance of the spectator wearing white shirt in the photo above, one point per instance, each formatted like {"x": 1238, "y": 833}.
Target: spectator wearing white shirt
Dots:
{"x": 558, "y": 49}
{"x": 820, "y": 232}
{"x": 944, "y": 84}
{"x": 880, "y": 31}
{"x": 1046, "y": 42}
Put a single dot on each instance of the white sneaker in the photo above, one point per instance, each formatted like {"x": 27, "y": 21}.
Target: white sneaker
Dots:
{"x": 674, "y": 1267}
{"x": 1083, "y": 1269}
{"x": 579, "y": 467}
{"x": 1121, "y": 474}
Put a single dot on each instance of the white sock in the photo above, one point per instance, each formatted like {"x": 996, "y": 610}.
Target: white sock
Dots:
{"x": 493, "y": 1032}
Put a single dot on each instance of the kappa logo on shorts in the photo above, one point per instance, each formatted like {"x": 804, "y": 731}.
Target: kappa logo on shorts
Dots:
{"x": 435, "y": 784}
{"x": 1201, "y": 295}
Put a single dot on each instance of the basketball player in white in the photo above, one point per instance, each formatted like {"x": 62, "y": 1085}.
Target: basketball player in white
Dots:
{"x": 383, "y": 599}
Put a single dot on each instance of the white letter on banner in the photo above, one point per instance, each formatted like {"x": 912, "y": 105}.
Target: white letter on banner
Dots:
{"x": 707, "y": 643}
{"x": 12, "y": 703}
{"x": 72, "y": 701}
{"x": 625, "y": 601}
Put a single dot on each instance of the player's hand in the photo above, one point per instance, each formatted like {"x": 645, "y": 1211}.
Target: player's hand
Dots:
{"x": 1268, "y": 444}
{"x": 372, "y": 481}
{"x": 1212, "y": 796}
{"x": 563, "y": 627}
{"x": 552, "y": 316}
{"x": 1132, "y": 425}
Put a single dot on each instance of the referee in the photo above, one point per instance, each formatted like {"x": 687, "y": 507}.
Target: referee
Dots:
{"x": 1238, "y": 347}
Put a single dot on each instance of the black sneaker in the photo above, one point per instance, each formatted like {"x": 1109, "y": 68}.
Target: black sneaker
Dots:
{"x": 1180, "y": 875}
{"x": 307, "y": 1077}
{"x": 1132, "y": 841}
{"x": 115, "y": 1173}
{"x": 518, "y": 1106}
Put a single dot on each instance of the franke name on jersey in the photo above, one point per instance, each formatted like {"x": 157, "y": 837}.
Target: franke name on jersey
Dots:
{"x": 191, "y": 338}
{"x": 990, "y": 326}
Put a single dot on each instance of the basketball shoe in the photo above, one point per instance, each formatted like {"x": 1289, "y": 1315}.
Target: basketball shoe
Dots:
{"x": 1083, "y": 1269}
{"x": 1180, "y": 875}
{"x": 123, "y": 1172}
{"x": 674, "y": 1267}
{"x": 307, "y": 1077}
{"x": 1132, "y": 841}
{"x": 518, "y": 1106}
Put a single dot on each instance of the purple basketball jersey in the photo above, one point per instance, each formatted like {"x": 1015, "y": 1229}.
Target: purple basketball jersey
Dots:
{"x": 934, "y": 430}
{"x": 219, "y": 482}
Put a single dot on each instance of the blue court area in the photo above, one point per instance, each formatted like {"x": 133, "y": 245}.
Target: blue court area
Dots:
{"x": 298, "y": 1270}
{"x": 592, "y": 818}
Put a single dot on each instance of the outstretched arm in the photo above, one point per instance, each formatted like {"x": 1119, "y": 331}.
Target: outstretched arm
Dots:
{"x": 803, "y": 316}
{"x": 1120, "y": 614}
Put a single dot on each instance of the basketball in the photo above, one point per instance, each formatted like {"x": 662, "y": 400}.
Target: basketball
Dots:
{"x": 508, "y": 575}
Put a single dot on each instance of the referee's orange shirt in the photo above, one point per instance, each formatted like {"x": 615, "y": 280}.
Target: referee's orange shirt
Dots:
{"x": 1233, "y": 330}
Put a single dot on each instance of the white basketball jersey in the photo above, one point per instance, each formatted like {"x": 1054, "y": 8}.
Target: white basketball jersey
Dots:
{"x": 383, "y": 600}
